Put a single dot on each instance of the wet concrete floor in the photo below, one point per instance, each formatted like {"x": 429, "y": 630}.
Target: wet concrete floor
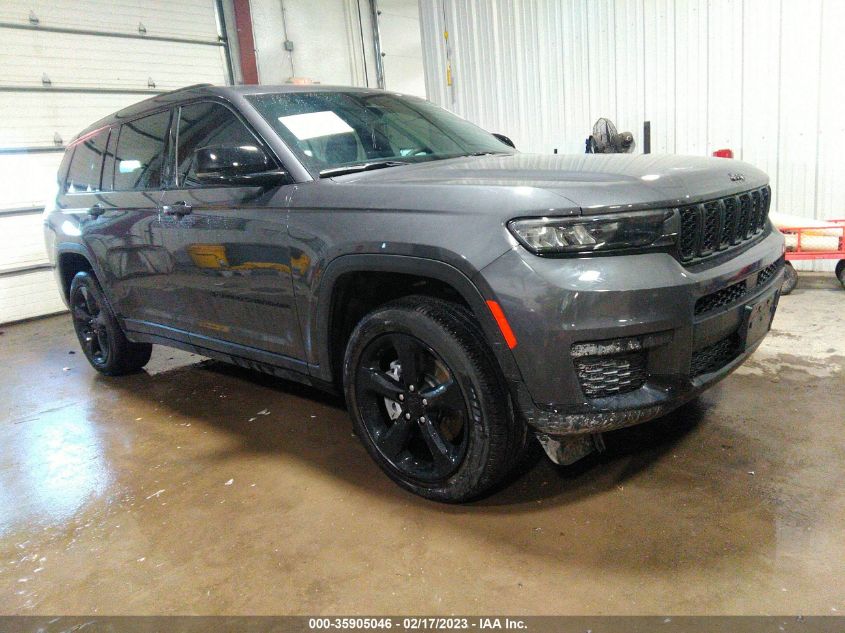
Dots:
{"x": 197, "y": 488}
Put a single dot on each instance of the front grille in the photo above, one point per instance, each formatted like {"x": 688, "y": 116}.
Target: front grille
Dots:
{"x": 604, "y": 376}
{"x": 715, "y": 225}
{"x": 715, "y": 356}
{"x": 734, "y": 292}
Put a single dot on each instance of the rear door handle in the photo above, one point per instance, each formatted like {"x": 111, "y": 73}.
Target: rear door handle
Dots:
{"x": 96, "y": 210}
{"x": 179, "y": 208}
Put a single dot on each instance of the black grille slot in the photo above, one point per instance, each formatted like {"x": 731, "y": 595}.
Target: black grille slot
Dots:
{"x": 723, "y": 297}
{"x": 756, "y": 212}
{"x": 604, "y": 376}
{"x": 715, "y": 356}
{"x": 744, "y": 224}
{"x": 766, "y": 194}
{"x": 689, "y": 232}
{"x": 722, "y": 223}
{"x": 710, "y": 231}
{"x": 729, "y": 223}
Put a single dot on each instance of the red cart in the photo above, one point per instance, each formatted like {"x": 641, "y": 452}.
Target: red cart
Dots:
{"x": 814, "y": 242}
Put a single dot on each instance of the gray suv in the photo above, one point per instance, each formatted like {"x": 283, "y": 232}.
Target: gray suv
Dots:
{"x": 464, "y": 297}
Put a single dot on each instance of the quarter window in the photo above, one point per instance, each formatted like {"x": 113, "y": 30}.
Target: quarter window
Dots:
{"x": 86, "y": 165}
{"x": 140, "y": 155}
{"x": 205, "y": 125}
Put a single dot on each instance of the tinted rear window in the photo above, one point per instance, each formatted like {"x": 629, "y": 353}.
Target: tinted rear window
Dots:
{"x": 86, "y": 166}
{"x": 140, "y": 153}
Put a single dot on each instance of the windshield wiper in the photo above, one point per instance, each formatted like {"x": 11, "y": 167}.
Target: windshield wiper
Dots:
{"x": 352, "y": 169}
{"x": 484, "y": 154}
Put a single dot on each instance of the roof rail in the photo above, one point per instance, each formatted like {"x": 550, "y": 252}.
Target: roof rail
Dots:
{"x": 205, "y": 85}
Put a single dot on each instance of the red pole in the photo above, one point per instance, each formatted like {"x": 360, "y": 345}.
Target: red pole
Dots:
{"x": 246, "y": 41}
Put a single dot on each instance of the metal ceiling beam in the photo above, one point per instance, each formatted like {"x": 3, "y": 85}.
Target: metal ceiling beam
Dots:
{"x": 37, "y": 149}
{"x": 18, "y": 211}
{"x": 129, "y": 36}
{"x": 82, "y": 90}
{"x": 24, "y": 270}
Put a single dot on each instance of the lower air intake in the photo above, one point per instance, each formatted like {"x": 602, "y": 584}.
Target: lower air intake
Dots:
{"x": 604, "y": 376}
{"x": 714, "y": 357}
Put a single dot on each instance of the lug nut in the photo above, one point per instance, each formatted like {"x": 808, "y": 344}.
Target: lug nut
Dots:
{"x": 411, "y": 388}
{"x": 401, "y": 396}
{"x": 422, "y": 419}
{"x": 425, "y": 402}
{"x": 407, "y": 416}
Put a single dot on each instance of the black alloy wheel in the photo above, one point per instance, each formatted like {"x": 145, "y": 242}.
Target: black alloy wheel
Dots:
{"x": 412, "y": 406}
{"x": 428, "y": 401}
{"x": 102, "y": 340}
{"x": 89, "y": 322}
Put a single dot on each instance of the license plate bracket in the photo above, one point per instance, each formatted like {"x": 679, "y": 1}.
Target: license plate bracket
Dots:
{"x": 758, "y": 319}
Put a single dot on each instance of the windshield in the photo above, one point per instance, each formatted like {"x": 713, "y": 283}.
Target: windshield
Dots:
{"x": 340, "y": 132}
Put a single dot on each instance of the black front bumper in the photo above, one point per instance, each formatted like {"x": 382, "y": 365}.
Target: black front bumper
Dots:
{"x": 717, "y": 338}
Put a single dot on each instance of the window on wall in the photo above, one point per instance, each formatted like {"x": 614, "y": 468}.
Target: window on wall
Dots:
{"x": 140, "y": 155}
{"x": 204, "y": 125}
{"x": 86, "y": 166}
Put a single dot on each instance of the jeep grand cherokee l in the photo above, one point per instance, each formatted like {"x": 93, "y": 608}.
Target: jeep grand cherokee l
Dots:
{"x": 462, "y": 295}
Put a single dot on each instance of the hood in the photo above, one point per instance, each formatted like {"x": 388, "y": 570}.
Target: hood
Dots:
{"x": 596, "y": 183}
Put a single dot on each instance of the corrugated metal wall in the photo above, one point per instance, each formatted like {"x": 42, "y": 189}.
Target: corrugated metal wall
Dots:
{"x": 762, "y": 77}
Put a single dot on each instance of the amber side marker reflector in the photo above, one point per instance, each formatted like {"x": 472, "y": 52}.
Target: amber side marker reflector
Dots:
{"x": 502, "y": 322}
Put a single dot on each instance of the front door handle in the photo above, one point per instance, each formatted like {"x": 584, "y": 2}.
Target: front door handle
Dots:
{"x": 96, "y": 210}
{"x": 179, "y": 208}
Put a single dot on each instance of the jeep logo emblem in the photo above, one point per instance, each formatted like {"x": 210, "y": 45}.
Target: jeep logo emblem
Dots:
{"x": 736, "y": 177}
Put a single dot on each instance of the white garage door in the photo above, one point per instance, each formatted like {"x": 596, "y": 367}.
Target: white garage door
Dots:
{"x": 65, "y": 64}
{"x": 401, "y": 46}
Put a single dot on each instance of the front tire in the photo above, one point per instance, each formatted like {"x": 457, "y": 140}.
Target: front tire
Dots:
{"x": 790, "y": 279}
{"x": 100, "y": 336}
{"x": 840, "y": 271}
{"x": 427, "y": 400}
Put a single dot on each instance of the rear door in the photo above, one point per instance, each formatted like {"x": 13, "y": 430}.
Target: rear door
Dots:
{"x": 124, "y": 233}
{"x": 83, "y": 195}
{"x": 229, "y": 244}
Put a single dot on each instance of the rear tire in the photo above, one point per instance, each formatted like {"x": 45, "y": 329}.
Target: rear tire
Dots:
{"x": 790, "y": 279}
{"x": 840, "y": 271}
{"x": 100, "y": 336}
{"x": 427, "y": 400}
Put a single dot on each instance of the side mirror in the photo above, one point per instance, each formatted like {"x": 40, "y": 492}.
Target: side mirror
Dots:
{"x": 236, "y": 165}
{"x": 504, "y": 139}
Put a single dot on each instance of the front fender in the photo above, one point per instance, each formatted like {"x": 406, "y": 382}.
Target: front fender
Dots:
{"x": 474, "y": 291}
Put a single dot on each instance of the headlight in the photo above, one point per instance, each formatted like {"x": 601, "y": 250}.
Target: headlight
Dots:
{"x": 580, "y": 234}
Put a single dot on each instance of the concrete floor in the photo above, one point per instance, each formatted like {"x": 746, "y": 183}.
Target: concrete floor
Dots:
{"x": 198, "y": 488}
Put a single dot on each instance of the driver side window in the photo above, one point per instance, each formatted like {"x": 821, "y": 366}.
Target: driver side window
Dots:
{"x": 204, "y": 125}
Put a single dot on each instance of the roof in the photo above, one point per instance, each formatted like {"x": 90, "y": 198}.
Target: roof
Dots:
{"x": 167, "y": 99}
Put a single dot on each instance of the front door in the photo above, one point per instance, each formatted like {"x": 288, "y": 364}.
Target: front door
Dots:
{"x": 229, "y": 246}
